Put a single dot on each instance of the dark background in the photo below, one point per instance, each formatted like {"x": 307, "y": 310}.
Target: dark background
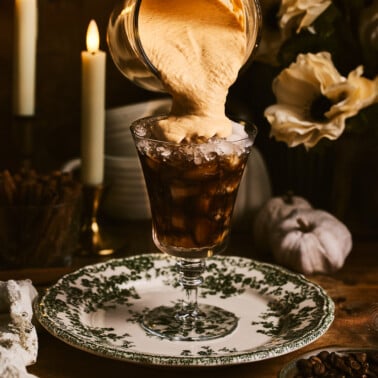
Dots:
{"x": 62, "y": 27}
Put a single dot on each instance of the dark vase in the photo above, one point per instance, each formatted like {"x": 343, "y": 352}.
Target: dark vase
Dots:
{"x": 355, "y": 184}
{"x": 340, "y": 177}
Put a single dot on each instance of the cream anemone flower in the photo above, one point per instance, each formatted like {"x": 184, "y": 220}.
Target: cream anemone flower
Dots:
{"x": 282, "y": 18}
{"x": 313, "y": 100}
{"x": 359, "y": 92}
{"x": 301, "y": 13}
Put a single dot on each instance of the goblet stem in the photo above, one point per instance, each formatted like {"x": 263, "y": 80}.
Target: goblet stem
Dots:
{"x": 186, "y": 320}
{"x": 190, "y": 278}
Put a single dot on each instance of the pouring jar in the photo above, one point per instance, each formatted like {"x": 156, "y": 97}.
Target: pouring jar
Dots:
{"x": 127, "y": 50}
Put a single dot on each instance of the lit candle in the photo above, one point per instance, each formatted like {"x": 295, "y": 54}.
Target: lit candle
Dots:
{"x": 93, "y": 109}
{"x": 25, "y": 46}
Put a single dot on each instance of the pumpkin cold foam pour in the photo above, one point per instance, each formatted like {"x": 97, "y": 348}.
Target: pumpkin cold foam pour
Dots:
{"x": 197, "y": 48}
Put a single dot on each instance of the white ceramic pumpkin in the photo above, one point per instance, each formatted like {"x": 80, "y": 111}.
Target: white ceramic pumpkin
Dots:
{"x": 311, "y": 241}
{"x": 273, "y": 211}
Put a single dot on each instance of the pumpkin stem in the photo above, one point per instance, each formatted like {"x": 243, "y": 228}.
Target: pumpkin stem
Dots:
{"x": 304, "y": 226}
{"x": 288, "y": 197}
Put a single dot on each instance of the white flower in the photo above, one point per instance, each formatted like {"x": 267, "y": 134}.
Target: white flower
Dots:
{"x": 282, "y": 18}
{"x": 313, "y": 100}
{"x": 359, "y": 92}
{"x": 301, "y": 13}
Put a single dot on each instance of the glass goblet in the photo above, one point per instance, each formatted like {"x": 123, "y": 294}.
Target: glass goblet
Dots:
{"x": 192, "y": 189}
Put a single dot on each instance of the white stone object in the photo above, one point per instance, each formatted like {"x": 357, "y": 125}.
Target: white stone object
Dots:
{"x": 18, "y": 336}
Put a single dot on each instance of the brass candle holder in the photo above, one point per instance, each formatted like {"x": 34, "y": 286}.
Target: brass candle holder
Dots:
{"x": 92, "y": 239}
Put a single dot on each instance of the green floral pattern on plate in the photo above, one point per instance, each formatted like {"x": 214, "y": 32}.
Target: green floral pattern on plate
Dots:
{"x": 98, "y": 309}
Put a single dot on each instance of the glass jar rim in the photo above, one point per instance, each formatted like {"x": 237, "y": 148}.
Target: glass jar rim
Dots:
{"x": 138, "y": 41}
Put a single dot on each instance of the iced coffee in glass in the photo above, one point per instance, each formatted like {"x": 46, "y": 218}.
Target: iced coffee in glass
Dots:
{"x": 192, "y": 188}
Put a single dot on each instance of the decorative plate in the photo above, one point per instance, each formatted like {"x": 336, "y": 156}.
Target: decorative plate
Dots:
{"x": 98, "y": 307}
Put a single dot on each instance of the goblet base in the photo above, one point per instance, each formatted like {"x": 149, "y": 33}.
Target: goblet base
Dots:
{"x": 206, "y": 323}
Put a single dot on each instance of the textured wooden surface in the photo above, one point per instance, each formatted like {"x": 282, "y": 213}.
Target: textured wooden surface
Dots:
{"x": 354, "y": 290}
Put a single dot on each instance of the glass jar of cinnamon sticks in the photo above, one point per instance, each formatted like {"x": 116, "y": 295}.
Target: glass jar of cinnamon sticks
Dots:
{"x": 39, "y": 219}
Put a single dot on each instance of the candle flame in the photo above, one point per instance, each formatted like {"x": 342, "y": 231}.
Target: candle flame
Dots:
{"x": 93, "y": 37}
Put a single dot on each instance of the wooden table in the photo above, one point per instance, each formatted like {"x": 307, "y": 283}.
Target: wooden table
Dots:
{"x": 354, "y": 290}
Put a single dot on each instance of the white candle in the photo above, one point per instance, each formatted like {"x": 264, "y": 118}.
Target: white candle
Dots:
{"x": 25, "y": 46}
{"x": 93, "y": 109}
